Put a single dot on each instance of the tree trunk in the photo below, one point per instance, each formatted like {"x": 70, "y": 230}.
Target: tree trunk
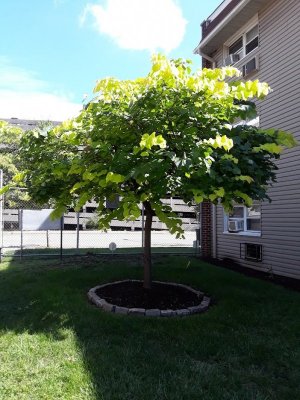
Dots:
{"x": 147, "y": 245}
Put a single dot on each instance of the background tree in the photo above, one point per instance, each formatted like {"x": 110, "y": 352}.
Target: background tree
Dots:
{"x": 11, "y": 162}
{"x": 9, "y": 143}
{"x": 171, "y": 133}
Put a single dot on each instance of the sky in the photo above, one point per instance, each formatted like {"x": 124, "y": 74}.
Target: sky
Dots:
{"x": 52, "y": 52}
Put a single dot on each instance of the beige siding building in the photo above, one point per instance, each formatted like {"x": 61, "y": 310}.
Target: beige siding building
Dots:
{"x": 262, "y": 39}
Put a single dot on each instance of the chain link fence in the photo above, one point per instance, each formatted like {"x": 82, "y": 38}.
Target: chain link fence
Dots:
{"x": 28, "y": 230}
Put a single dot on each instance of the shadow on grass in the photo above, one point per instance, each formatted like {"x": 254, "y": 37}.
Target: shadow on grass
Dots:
{"x": 244, "y": 347}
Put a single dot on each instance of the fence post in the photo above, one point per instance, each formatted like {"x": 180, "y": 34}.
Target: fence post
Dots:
{"x": 21, "y": 231}
{"x": 77, "y": 230}
{"x": 1, "y": 215}
{"x": 61, "y": 237}
{"x": 143, "y": 232}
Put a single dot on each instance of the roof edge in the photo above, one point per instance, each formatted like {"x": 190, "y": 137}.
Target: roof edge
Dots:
{"x": 232, "y": 9}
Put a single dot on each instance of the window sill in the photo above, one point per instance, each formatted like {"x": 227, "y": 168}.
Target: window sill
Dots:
{"x": 252, "y": 234}
{"x": 243, "y": 60}
{"x": 246, "y": 58}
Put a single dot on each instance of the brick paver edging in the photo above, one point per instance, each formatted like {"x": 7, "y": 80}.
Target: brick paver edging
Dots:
{"x": 101, "y": 303}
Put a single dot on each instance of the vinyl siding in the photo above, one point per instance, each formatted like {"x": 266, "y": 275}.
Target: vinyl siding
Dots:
{"x": 279, "y": 60}
{"x": 218, "y": 57}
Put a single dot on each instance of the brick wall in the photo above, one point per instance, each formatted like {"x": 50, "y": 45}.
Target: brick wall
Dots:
{"x": 206, "y": 63}
{"x": 206, "y": 229}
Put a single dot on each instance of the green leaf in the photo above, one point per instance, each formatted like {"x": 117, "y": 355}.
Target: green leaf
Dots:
{"x": 78, "y": 185}
{"x": 5, "y": 189}
{"x": 115, "y": 178}
{"x": 58, "y": 212}
{"x": 75, "y": 169}
{"x": 148, "y": 141}
{"x": 144, "y": 197}
{"x": 218, "y": 193}
{"x": 244, "y": 178}
{"x": 272, "y": 148}
{"x": 83, "y": 199}
{"x": 198, "y": 196}
{"x": 19, "y": 177}
{"x": 88, "y": 176}
{"x": 245, "y": 197}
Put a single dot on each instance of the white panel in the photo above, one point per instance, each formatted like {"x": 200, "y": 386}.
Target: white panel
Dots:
{"x": 34, "y": 220}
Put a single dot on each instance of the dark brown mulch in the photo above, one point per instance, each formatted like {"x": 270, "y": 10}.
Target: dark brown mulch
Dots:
{"x": 131, "y": 294}
{"x": 289, "y": 283}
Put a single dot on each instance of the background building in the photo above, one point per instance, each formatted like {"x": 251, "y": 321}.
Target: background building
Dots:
{"x": 262, "y": 39}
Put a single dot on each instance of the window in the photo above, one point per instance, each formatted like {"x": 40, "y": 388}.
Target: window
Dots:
{"x": 251, "y": 40}
{"x": 247, "y": 42}
{"x": 244, "y": 220}
{"x": 251, "y": 251}
{"x": 250, "y": 66}
{"x": 236, "y": 47}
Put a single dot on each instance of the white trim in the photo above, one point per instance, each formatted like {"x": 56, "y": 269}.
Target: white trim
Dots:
{"x": 241, "y": 33}
{"x": 243, "y": 233}
{"x": 245, "y": 217}
{"x": 224, "y": 22}
{"x": 218, "y": 10}
{"x": 245, "y": 28}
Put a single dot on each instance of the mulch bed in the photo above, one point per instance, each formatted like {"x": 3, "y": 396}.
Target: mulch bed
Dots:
{"x": 289, "y": 283}
{"x": 131, "y": 294}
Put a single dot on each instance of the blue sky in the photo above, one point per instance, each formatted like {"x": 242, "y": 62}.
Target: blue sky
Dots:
{"x": 53, "y": 51}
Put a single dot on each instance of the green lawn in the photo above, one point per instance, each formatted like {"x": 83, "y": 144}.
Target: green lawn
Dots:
{"x": 55, "y": 345}
{"x": 40, "y": 252}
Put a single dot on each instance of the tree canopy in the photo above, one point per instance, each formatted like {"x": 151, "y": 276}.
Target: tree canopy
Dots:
{"x": 12, "y": 163}
{"x": 171, "y": 133}
{"x": 9, "y": 159}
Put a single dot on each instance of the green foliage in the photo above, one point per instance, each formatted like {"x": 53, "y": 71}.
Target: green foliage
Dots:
{"x": 9, "y": 159}
{"x": 171, "y": 133}
{"x": 12, "y": 164}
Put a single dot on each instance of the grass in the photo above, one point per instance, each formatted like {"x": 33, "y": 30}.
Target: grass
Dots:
{"x": 40, "y": 252}
{"x": 55, "y": 345}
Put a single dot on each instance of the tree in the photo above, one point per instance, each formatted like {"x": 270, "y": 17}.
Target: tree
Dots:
{"x": 170, "y": 133}
{"x": 11, "y": 162}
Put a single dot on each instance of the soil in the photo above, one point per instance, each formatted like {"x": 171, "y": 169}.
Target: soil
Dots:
{"x": 131, "y": 294}
{"x": 289, "y": 283}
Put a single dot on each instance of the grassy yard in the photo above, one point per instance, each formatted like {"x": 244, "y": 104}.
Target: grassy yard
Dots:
{"x": 9, "y": 253}
{"x": 55, "y": 345}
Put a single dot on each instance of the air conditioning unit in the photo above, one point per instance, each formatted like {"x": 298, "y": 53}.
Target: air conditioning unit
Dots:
{"x": 235, "y": 226}
{"x": 250, "y": 66}
{"x": 231, "y": 59}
